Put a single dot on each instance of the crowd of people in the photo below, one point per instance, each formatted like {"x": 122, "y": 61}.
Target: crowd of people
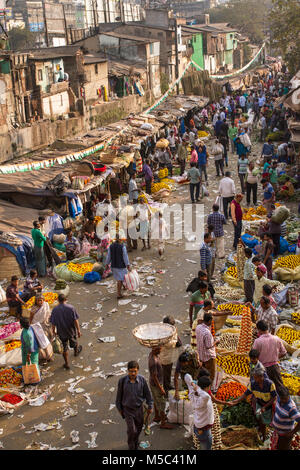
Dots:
{"x": 234, "y": 120}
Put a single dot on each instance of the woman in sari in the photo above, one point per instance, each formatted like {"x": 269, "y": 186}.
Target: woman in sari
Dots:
{"x": 30, "y": 347}
{"x": 40, "y": 313}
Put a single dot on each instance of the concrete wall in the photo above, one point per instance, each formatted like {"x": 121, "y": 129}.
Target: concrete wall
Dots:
{"x": 41, "y": 134}
{"x": 96, "y": 80}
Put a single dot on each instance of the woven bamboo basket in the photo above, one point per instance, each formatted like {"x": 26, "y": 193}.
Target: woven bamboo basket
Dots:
{"x": 153, "y": 335}
{"x": 8, "y": 265}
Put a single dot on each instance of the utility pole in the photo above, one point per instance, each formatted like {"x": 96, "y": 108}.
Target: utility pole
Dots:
{"x": 65, "y": 25}
{"x": 176, "y": 56}
{"x": 45, "y": 26}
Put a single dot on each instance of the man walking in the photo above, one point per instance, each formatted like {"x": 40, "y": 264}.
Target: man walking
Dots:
{"x": 157, "y": 390}
{"x": 193, "y": 176}
{"x": 218, "y": 152}
{"x": 182, "y": 154}
{"x": 132, "y": 391}
{"x": 218, "y": 220}
{"x": 227, "y": 192}
{"x": 64, "y": 320}
{"x": 237, "y": 218}
{"x": 271, "y": 349}
{"x": 148, "y": 175}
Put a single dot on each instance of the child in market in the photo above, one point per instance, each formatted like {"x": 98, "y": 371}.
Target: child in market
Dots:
{"x": 255, "y": 364}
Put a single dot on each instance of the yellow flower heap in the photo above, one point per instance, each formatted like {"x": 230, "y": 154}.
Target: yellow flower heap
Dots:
{"x": 234, "y": 364}
{"x": 49, "y": 297}
{"x": 236, "y": 309}
{"x": 289, "y": 335}
{"x": 254, "y": 213}
{"x": 290, "y": 261}
{"x": 81, "y": 269}
{"x": 232, "y": 271}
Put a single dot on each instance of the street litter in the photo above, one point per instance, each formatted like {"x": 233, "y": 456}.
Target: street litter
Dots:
{"x": 39, "y": 401}
{"x": 69, "y": 412}
{"x": 145, "y": 444}
{"x": 108, "y": 421}
{"x": 91, "y": 411}
{"x": 97, "y": 360}
{"x": 112, "y": 389}
{"x": 74, "y": 435}
{"x": 191, "y": 261}
{"x": 142, "y": 308}
{"x": 107, "y": 339}
{"x": 119, "y": 364}
{"x": 99, "y": 322}
{"x": 111, "y": 406}
{"x": 124, "y": 301}
{"x": 88, "y": 398}
{"x": 87, "y": 369}
{"x": 92, "y": 443}
{"x": 89, "y": 425}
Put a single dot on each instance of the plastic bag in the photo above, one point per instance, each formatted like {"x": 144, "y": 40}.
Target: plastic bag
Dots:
{"x": 132, "y": 281}
{"x": 42, "y": 339}
{"x": 204, "y": 191}
{"x": 179, "y": 411}
{"x": 31, "y": 374}
{"x": 249, "y": 241}
{"x": 283, "y": 245}
{"x": 92, "y": 277}
{"x": 219, "y": 202}
{"x": 57, "y": 346}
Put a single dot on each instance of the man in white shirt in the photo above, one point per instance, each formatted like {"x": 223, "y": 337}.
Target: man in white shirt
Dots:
{"x": 227, "y": 192}
{"x": 218, "y": 152}
{"x": 263, "y": 128}
{"x": 203, "y": 410}
{"x": 133, "y": 189}
{"x": 242, "y": 102}
{"x": 222, "y": 114}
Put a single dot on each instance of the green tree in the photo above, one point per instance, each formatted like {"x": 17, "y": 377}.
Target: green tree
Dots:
{"x": 21, "y": 38}
{"x": 285, "y": 31}
{"x": 250, "y": 17}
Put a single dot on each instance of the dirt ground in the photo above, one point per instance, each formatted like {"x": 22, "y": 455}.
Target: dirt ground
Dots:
{"x": 166, "y": 296}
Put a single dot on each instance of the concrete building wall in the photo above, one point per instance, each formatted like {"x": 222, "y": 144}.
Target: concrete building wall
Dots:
{"x": 43, "y": 133}
{"x": 98, "y": 77}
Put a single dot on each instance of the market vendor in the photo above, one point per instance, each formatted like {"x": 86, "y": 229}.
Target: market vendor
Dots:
{"x": 118, "y": 257}
{"x": 260, "y": 281}
{"x": 194, "y": 284}
{"x": 38, "y": 248}
{"x": 187, "y": 363}
{"x": 89, "y": 230}
{"x": 266, "y": 312}
{"x": 287, "y": 190}
{"x": 264, "y": 392}
{"x": 72, "y": 246}
{"x": 31, "y": 286}
{"x": 197, "y": 301}
{"x": 12, "y": 296}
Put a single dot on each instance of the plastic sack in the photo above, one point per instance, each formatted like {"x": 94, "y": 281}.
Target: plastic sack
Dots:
{"x": 31, "y": 374}
{"x": 287, "y": 274}
{"x": 283, "y": 245}
{"x": 204, "y": 191}
{"x": 42, "y": 339}
{"x": 179, "y": 411}
{"x": 132, "y": 281}
{"x": 232, "y": 281}
{"x": 280, "y": 215}
{"x": 91, "y": 277}
{"x": 57, "y": 345}
{"x": 2, "y": 295}
{"x": 11, "y": 358}
{"x": 292, "y": 249}
{"x": 249, "y": 241}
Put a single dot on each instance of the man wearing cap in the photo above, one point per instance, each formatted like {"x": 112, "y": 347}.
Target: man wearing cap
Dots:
{"x": 260, "y": 281}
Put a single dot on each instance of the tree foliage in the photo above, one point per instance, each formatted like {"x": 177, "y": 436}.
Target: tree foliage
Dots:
{"x": 21, "y": 38}
{"x": 250, "y": 17}
{"x": 285, "y": 31}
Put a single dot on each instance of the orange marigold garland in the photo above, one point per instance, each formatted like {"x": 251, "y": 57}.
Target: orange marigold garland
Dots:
{"x": 246, "y": 337}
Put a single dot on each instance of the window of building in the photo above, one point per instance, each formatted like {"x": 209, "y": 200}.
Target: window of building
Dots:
{"x": 151, "y": 48}
{"x": 40, "y": 75}
{"x": 96, "y": 69}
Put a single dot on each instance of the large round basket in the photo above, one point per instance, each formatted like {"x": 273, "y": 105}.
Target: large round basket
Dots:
{"x": 153, "y": 335}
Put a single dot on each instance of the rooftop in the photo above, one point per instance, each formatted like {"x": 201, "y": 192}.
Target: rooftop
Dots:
{"x": 119, "y": 34}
